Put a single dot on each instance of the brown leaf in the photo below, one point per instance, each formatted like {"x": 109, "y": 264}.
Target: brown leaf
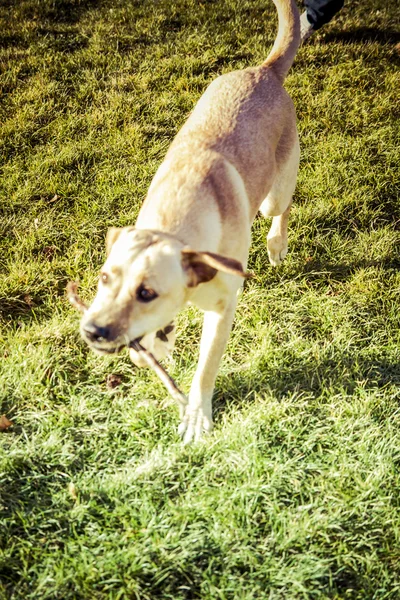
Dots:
{"x": 4, "y": 423}
{"x": 49, "y": 252}
{"x": 113, "y": 381}
{"x": 28, "y": 300}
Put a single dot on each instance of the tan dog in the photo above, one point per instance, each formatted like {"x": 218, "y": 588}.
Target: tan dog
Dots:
{"x": 237, "y": 153}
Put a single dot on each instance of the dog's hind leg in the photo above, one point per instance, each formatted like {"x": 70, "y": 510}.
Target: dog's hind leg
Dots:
{"x": 277, "y": 205}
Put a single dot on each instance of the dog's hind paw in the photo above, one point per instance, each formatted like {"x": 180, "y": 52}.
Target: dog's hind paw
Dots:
{"x": 160, "y": 343}
{"x": 195, "y": 424}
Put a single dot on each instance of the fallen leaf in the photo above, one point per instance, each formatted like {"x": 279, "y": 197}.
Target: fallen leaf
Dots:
{"x": 28, "y": 300}
{"x": 113, "y": 381}
{"x": 4, "y": 423}
{"x": 49, "y": 252}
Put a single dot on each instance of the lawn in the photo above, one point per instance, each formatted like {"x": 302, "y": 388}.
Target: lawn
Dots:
{"x": 296, "y": 494}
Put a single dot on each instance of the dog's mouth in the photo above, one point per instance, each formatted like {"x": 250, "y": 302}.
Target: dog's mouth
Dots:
{"x": 114, "y": 349}
{"x": 107, "y": 350}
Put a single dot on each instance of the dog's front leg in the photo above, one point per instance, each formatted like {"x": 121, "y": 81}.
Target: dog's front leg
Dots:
{"x": 198, "y": 415}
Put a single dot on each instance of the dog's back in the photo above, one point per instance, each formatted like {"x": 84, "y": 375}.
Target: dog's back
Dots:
{"x": 248, "y": 118}
{"x": 244, "y": 116}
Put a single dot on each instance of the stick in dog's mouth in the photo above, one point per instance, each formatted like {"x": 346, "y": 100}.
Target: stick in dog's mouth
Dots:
{"x": 151, "y": 361}
{"x": 73, "y": 297}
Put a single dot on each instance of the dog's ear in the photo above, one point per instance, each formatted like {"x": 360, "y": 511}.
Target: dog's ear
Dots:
{"x": 112, "y": 235}
{"x": 203, "y": 266}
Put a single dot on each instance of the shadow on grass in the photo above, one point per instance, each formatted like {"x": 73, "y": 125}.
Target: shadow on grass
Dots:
{"x": 362, "y": 34}
{"x": 342, "y": 272}
{"x": 28, "y": 305}
{"x": 317, "y": 270}
{"x": 18, "y": 308}
{"x": 58, "y": 11}
{"x": 365, "y": 35}
{"x": 54, "y": 24}
{"x": 342, "y": 373}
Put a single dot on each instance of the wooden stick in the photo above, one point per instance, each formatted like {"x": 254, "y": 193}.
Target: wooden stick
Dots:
{"x": 150, "y": 359}
{"x": 73, "y": 297}
{"x": 161, "y": 373}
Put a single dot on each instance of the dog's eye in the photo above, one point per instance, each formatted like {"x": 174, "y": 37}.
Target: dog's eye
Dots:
{"x": 104, "y": 278}
{"x": 145, "y": 294}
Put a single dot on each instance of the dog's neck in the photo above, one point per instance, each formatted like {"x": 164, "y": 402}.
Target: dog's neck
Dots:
{"x": 196, "y": 228}
{"x": 176, "y": 205}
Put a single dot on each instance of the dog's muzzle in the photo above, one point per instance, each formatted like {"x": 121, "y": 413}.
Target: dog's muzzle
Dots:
{"x": 101, "y": 338}
{"x": 95, "y": 333}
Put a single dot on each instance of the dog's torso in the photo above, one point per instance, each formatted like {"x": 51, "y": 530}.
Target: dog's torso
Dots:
{"x": 236, "y": 137}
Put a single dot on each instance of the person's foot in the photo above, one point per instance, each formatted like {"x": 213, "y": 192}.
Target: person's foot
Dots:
{"x": 306, "y": 29}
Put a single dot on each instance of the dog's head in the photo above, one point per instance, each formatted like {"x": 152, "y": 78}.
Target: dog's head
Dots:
{"x": 146, "y": 279}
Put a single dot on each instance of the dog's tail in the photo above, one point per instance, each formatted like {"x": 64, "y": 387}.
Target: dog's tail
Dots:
{"x": 287, "y": 41}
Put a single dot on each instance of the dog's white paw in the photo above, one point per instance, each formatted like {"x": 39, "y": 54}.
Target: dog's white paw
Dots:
{"x": 277, "y": 250}
{"x": 160, "y": 343}
{"x": 194, "y": 424}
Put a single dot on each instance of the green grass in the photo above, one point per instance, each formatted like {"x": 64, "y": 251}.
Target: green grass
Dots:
{"x": 296, "y": 495}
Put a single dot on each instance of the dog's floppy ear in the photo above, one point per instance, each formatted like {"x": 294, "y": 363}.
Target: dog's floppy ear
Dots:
{"x": 203, "y": 266}
{"x": 111, "y": 237}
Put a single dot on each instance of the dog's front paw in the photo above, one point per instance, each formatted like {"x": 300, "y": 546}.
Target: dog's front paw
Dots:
{"x": 194, "y": 424}
{"x": 160, "y": 343}
{"x": 277, "y": 249}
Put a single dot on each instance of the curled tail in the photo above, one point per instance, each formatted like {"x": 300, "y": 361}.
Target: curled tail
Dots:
{"x": 287, "y": 41}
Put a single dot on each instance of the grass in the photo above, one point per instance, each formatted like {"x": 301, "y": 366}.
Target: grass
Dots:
{"x": 297, "y": 493}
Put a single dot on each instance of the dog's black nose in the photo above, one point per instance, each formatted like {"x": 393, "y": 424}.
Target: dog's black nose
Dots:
{"x": 95, "y": 333}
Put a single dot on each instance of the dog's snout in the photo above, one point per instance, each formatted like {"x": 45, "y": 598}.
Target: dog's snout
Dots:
{"x": 96, "y": 333}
